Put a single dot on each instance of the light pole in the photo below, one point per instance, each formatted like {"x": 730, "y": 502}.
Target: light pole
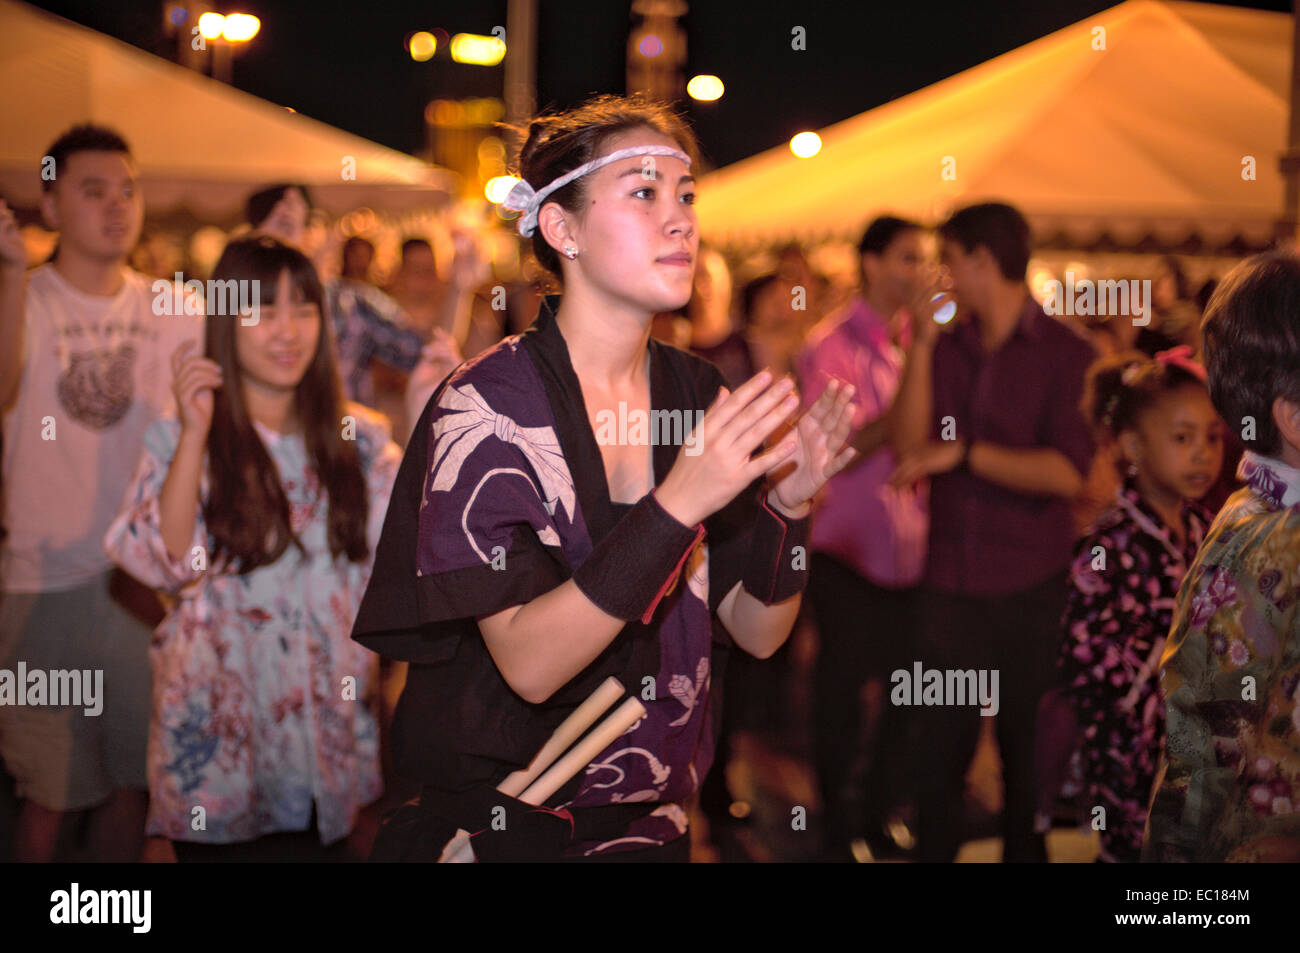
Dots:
{"x": 521, "y": 65}
{"x": 656, "y": 49}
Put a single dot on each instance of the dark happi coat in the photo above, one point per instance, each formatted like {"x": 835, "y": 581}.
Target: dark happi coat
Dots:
{"x": 501, "y": 496}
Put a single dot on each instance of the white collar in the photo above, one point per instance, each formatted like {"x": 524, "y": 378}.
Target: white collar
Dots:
{"x": 1270, "y": 478}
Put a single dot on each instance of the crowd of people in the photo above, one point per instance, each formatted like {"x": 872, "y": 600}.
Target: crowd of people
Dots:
{"x": 252, "y": 524}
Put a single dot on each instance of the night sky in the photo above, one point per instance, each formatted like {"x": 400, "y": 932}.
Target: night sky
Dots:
{"x": 344, "y": 63}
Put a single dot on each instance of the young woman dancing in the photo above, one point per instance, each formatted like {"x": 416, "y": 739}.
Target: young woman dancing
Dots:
{"x": 543, "y": 537}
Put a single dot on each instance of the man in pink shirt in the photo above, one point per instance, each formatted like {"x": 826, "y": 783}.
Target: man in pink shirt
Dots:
{"x": 868, "y": 546}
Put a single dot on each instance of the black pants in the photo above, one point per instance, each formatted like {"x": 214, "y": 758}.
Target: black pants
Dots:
{"x": 1019, "y": 636}
{"x": 864, "y": 632}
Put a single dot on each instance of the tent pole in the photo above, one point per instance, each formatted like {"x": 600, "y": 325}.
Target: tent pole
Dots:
{"x": 1290, "y": 163}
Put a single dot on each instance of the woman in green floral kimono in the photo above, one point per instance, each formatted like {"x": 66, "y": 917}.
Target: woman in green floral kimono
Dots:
{"x": 1228, "y": 787}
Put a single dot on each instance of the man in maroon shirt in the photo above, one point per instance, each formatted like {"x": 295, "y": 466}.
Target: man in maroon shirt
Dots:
{"x": 990, "y": 413}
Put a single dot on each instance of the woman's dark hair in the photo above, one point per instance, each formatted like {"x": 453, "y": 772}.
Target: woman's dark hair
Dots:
{"x": 1251, "y": 341}
{"x": 999, "y": 228}
{"x": 560, "y": 142}
{"x": 259, "y": 204}
{"x": 1119, "y": 389}
{"x": 247, "y": 511}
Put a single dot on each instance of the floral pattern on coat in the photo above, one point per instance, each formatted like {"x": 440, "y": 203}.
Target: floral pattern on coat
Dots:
{"x": 1229, "y": 783}
{"x": 261, "y": 700}
{"x": 1123, "y": 584}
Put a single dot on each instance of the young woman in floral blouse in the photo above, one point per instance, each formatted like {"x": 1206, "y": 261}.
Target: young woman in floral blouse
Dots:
{"x": 1229, "y": 785}
{"x": 1126, "y": 574}
{"x": 260, "y": 509}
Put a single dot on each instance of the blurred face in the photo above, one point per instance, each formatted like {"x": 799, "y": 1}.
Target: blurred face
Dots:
{"x": 712, "y": 285}
{"x": 1164, "y": 290}
{"x": 964, "y": 271}
{"x": 288, "y": 218}
{"x": 899, "y": 271}
{"x": 95, "y": 205}
{"x": 637, "y": 235}
{"x": 358, "y": 258}
{"x": 419, "y": 272}
{"x": 1178, "y": 444}
{"x": 774, "y": 311}
{"x": 793, "y": 265}
{"x": 275, "y": 353}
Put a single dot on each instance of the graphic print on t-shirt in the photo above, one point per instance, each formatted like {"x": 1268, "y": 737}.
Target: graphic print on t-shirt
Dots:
{"x": 96, "y": 388}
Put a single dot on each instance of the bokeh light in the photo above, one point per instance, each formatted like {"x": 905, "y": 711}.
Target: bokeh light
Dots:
{"x": 650, "y": 45}
{"x": 477, "y": 50}
{"x": 422, "y": 46}
{"x": 491, "y": 149}
{"x": 705, "y": 88}
{"x": 491, "y": 158}
{"x": 806, "y": 144}
{"x": 240, "y": 27}
{"x": 358, "y": 222}
{"x": 497, "y": 189}
{"x": 946, "y": 312}
{"x": 1040, "y": 280}
{"x": 211, "y": 25}
{"x": 205, "y": 247}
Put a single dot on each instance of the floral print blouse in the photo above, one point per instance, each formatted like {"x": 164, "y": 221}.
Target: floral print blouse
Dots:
{"x": 1229, "y": 782}
{"x": 1123, "y": 583}
{"x": 260, "y": 697}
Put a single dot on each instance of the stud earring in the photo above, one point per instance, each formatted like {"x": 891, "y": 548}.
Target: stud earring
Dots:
{"x": 570, "y": 252}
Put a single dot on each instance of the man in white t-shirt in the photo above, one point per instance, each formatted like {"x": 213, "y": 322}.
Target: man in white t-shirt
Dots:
{"x": 84, "y": 370}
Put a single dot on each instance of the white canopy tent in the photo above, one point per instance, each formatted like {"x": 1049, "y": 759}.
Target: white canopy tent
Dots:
{"x": 201, "y": 146}
{"x": 1151, "y": 138}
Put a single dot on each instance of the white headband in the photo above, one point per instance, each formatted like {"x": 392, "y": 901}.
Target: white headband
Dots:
{"x": 522, "y": 198}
